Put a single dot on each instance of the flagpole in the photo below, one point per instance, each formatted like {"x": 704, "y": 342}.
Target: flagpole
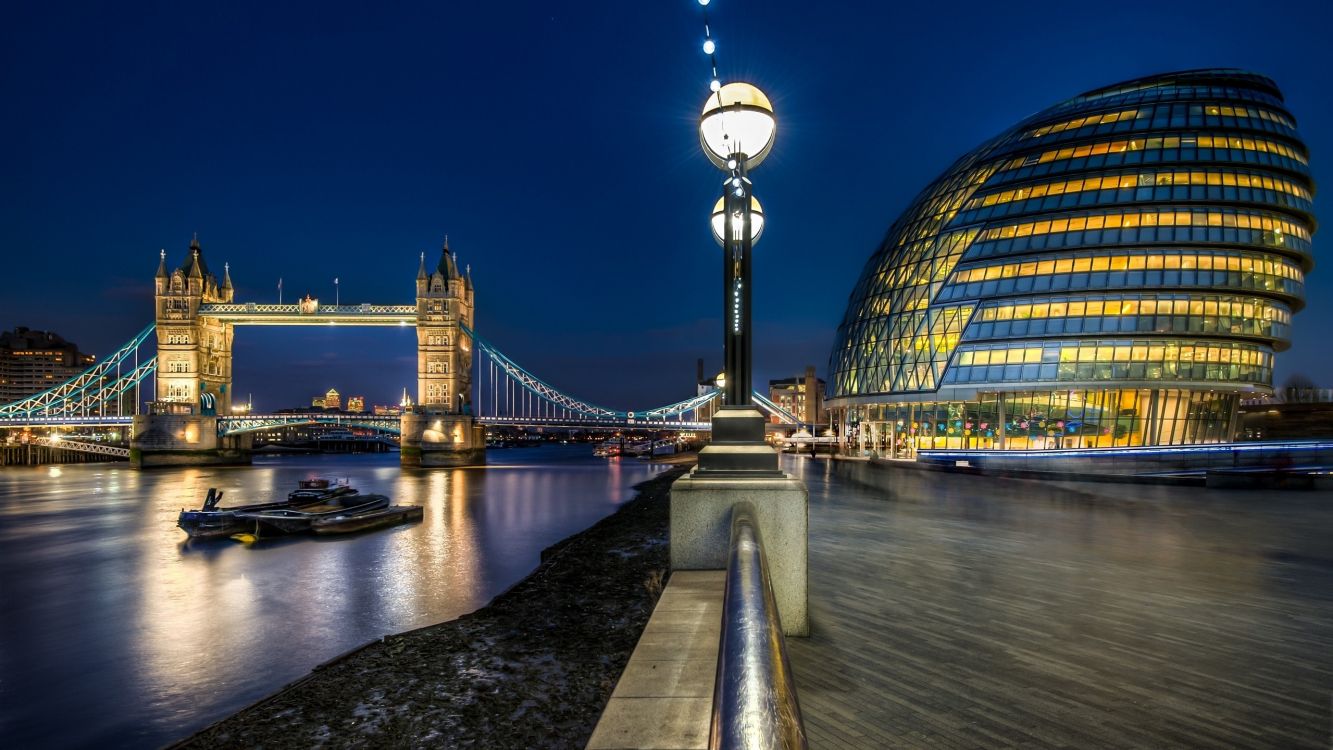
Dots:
{"x": 337, "y": 300}
{"x": 279, "y": 290}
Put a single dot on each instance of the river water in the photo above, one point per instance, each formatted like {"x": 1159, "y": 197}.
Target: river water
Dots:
{"x": 118, "y": 632}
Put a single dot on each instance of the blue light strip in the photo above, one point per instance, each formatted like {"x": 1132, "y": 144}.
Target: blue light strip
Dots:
{"x": 1219, "y": 448}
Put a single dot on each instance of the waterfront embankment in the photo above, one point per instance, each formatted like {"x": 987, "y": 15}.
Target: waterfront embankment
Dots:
{"x": 533, "y": 668}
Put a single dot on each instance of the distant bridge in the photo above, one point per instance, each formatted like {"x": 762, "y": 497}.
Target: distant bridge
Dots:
{"x": 239, "y": 425}
{"x": 83, "y": 446}
{"x": 505, "y": 393}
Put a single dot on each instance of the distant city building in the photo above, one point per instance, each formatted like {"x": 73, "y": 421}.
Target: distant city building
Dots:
{"x": 801, "y": 397}
{"x": 1286, "y": 420}
{"x": 380, "y": 410}
{"x": 1117, "y": 270}
{"x": 317, "y": 402}
{"x": 332, "y": 400}
{"x": 1295, "y": 412}
{"x": 33, "y": 361}
{"x": 356, "y": 404}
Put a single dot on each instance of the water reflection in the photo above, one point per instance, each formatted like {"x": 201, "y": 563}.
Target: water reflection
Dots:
{"x": 112, "y": 617}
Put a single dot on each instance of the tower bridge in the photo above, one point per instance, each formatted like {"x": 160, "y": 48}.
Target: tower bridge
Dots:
{"x": 184, "y": 360}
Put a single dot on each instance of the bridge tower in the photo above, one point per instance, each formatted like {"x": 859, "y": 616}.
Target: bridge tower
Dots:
{"x": 194, "y": 353}
{"x": 444, "y": 351}
{"x": 441, "y": 430}
{"x": 193, "y": 370}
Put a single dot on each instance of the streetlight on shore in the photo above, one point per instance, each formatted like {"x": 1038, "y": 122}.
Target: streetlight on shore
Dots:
{"x": 736, "y": 130}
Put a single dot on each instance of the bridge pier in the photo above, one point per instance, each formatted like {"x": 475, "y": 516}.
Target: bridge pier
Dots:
{"x": 433, "y": 438}
{"x": 185, "y": 440}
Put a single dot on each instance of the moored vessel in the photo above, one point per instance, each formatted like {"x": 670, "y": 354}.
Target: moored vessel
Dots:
{"x": 214, "y": 522}
{"x": 298, "y": 520}
{"x": 353, "y": 522}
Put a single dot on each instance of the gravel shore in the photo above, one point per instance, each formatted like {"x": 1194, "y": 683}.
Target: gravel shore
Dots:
{"x": 532, "y": 669}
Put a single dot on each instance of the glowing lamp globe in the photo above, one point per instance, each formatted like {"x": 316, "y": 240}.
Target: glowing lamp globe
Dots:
{"x": 720, "y": 218}
{"x": 737, "y": 120}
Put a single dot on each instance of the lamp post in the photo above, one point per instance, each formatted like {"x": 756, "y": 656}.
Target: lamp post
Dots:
{"x": 736, "y": 130}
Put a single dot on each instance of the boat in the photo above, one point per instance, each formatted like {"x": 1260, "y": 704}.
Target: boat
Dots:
{"x": 352, "y": 522}
{"x": 608, "y": 448}
{"x": 655, "y": 448}
{"x": 298, "y": 520}
{"x": 214, "y": 522}
{"x": 317, "y": 490}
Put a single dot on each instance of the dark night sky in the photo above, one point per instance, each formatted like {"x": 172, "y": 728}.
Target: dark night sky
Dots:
{"x": 555, "y": 144}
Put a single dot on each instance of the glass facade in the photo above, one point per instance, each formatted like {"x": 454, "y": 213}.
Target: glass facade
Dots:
{"x": 1115, "y": 270}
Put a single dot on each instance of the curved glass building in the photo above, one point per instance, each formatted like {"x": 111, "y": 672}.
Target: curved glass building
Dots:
{"x": 1117, "y": 270}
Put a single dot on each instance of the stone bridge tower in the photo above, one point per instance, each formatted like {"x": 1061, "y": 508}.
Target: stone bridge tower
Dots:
{"x": 193, "y": 372}
{"x": 444, "y": 351}
{"x": 441, "y": 429}
{"x": 193, "y": 352}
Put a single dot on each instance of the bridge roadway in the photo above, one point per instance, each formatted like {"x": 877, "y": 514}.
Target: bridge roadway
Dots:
{"x": 954, "y": 611}
{"x": 254, "y": 314}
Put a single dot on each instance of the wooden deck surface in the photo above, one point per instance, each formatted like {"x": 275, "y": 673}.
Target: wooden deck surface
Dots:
{"x": 953, "y": 611}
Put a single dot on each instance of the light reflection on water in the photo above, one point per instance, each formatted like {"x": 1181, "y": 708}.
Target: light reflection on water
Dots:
{"x": 116, "y": 632}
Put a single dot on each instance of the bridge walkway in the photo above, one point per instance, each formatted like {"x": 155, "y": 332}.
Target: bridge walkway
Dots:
{"x": 954, "y": 611}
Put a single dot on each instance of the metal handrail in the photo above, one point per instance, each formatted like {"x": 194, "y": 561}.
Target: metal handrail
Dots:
{"x": 754, "y": 698}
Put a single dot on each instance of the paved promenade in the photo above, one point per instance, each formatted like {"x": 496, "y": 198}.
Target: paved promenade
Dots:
{"x": 955, "y": 611}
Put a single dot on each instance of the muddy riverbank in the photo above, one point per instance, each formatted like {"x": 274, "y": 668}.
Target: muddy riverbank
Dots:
{"x": 533, "y": 668}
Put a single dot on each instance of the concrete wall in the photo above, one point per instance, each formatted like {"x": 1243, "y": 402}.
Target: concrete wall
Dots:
{"x": 701, "y": 534}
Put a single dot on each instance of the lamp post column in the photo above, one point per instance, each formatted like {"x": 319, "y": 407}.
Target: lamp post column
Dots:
{"x": 736, "y": 132}
{"x": 738, "y": 341}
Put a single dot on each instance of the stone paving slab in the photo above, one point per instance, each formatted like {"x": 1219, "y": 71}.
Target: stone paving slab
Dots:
{"x": 664, "y": 698}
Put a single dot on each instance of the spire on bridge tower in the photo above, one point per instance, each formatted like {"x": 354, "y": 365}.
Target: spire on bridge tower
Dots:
{"x": 226, "y": 277}
{"x": 448, "y": 267}
{"x": 196, "y": 271}
{"x": 162, "y": 264}
{"x": 421, "y": 272}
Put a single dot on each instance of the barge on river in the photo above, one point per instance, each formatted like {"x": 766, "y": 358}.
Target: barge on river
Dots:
{"x": 214, "y": 522}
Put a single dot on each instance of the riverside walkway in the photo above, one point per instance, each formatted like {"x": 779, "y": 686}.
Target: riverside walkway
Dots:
{"x": 954, "y": 611}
